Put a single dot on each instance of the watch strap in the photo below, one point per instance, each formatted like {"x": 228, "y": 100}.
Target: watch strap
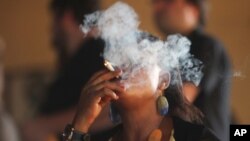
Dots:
{"x": 70, "y": 134}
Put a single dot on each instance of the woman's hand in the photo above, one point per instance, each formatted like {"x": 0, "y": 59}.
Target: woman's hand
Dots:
{"x": 98, "y": 92}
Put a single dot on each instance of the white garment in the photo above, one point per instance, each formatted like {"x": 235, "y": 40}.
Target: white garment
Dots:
{"x": 8, "y": 129}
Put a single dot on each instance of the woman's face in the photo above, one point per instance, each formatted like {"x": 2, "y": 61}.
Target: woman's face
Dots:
{"x": 142, "y": 84}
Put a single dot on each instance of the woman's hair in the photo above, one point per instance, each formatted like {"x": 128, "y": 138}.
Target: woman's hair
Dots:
{"x": 180, "y": 107}
{"x": 178, "y": 104}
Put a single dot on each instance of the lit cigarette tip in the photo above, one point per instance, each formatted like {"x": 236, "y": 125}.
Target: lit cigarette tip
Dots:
{"x": 108, "y": 65}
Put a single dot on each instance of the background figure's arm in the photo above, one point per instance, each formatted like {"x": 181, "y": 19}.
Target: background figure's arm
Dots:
{"x": 217, "y": 94}
{"x": 190, "y": 91}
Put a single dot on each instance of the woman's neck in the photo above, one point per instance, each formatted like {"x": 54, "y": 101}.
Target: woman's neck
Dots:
{"x": 140, "y": 121}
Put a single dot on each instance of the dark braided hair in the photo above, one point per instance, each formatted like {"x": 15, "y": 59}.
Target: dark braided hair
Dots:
{"x": 179, "y": 106}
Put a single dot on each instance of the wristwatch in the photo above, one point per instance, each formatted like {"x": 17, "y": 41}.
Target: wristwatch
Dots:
{"x": 70, "y": 134}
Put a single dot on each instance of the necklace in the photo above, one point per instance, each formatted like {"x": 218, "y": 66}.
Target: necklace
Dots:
{"x": 156, "y": 135}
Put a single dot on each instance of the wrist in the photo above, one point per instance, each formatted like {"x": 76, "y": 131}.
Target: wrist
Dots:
{"x": 81, "y": 123}
{"x": 70, "y": 134}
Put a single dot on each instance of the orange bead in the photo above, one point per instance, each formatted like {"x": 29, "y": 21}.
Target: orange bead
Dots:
{"x": 156, "y": 135}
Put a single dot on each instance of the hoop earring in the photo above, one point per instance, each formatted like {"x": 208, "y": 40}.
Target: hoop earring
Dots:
{"x": 162, "y": 105}
{"x": 113, "y": 114}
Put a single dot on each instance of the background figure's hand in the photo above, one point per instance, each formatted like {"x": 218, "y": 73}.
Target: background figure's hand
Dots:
{"x": 190, "y": 91}
{"x": 98, "y": 92}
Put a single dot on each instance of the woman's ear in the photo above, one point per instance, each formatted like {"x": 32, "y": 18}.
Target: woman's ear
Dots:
{"x": 164, "y": 81}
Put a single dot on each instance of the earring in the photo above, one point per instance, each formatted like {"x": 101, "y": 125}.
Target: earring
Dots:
{"x": 113, "y": 114}
{"x": 162, "y": 105}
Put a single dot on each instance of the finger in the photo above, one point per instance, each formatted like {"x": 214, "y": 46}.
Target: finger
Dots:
{"x": 106, "y": 76}
{"x": 95, "y": 76}
{"x": 105, "y": 92}
{"x": 108, "y": 96}
{"x": 98, "y": 74}
{"x": 114, "y": 86}
{"x": 104, "y": 101}
{"x": 109, "y": 93}
{"x": 105, "y": 95}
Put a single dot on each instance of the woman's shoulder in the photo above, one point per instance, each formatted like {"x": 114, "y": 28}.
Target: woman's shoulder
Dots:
{"x": 186, "y": 131}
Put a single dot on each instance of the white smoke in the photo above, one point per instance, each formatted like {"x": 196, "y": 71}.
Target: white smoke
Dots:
{"x": 128, "y": 47}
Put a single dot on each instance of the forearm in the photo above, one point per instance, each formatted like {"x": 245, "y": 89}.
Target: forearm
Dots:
{"x": 101, "y": 123}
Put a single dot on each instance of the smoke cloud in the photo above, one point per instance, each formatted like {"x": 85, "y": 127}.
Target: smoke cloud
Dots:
{"x": 129, "y": 47}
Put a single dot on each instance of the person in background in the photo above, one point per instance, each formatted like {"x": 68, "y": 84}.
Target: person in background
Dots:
{"x": 187, "y": 17}
{"x": 78, "y": 59}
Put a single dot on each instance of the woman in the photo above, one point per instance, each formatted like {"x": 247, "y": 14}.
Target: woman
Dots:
{"x": 143, "y": 119}
{"x": 145, "y": 89}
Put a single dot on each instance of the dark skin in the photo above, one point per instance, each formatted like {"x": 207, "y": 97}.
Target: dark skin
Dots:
{"x": 101, "y": 90}
{"x": 97, "y": 93}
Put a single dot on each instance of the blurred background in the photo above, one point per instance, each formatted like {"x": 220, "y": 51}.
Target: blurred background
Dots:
{"x": 29, "y": 60}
